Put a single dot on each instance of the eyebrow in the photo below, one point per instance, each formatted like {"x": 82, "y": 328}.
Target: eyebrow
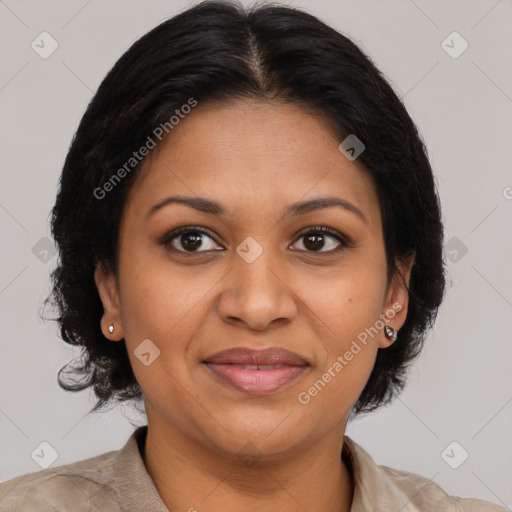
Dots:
{"x": 300, "y": 208}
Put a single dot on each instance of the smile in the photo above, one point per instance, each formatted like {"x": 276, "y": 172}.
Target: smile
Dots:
{"x": 256, "y": 379}
{"x": 256, "y": 372}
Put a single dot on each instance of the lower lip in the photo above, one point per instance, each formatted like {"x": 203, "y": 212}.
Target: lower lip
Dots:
{"x": 256, "y": 382}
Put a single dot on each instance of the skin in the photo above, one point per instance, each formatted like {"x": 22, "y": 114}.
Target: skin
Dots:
{"x": 254, "y": 158}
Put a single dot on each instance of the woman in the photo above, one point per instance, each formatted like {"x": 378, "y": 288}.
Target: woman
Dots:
{"x": 251, "y": 245}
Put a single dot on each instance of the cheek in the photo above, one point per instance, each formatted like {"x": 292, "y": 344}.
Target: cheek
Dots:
{"x": 156, "y": 299}
{"x": 156, "y": 311}
{"x": 349, "y": 306}
{"x": 347, "y": 301}
{"x": 166, "y": 306}
{"x": 350, "y": 348}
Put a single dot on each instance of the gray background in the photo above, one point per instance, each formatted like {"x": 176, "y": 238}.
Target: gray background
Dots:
{"x": 461, "y": 387}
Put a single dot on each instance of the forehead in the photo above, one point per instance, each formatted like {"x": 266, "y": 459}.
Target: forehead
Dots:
{"x": 249, "y": 154}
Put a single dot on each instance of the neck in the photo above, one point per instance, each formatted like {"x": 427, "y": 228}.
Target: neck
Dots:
{"x": 190, "y": 476}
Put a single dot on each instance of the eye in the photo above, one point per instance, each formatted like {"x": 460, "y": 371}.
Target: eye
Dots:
{"x": 315, "y": 240}
{"x": 188, "y": 239}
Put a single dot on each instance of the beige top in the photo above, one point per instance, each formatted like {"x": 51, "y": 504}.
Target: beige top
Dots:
{"x": 118, "y": 481}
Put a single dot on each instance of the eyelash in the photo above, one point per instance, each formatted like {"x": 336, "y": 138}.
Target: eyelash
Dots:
{"x": 323, "y": 230}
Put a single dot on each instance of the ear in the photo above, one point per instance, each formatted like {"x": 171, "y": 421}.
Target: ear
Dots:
{"x": 397, "y": 298}
{"x": 109, "y": 293}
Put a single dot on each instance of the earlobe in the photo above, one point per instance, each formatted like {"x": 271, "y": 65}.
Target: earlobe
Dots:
{"x": 396, "y": 303}
{"x": 106, "y": 284}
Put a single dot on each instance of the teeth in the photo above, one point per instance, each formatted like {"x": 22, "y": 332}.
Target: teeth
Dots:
{"x": 250, "y": 367}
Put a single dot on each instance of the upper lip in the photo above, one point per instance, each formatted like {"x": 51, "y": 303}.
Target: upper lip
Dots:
{"x": 246, "y": 356}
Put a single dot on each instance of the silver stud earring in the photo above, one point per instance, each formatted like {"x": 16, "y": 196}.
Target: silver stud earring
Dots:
{"x": 111, "y": 329}
{"x": 390, "y": 333}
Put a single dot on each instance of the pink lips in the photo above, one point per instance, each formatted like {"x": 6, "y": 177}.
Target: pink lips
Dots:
{"x": 257, "y": 372}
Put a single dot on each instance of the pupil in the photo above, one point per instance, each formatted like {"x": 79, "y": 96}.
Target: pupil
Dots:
{"x": 191, "y": 241}
{"x": 317, "y": 242}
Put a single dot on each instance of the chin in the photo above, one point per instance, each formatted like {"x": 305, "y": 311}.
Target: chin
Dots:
{"x": 269, "y": 438}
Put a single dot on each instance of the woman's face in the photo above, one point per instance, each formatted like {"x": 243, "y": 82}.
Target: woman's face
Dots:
{"x": 259, "y": 277}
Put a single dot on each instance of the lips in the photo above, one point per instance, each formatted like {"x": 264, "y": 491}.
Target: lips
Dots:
{"x": 256, "y": 372}
{"x": 245, "y": 356}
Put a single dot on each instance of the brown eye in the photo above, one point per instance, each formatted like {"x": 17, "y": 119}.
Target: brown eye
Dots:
{"x": 189, "y": 239}
{"x": 317, "y": 239}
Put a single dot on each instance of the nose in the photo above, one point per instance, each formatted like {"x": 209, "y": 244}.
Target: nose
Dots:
{"x": 257, "y": 294}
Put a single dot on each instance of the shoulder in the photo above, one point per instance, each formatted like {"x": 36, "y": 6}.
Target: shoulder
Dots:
{"x": 76, "y": 486}
{"x": 427, "y": 495}
{"x": 392, "y": 489}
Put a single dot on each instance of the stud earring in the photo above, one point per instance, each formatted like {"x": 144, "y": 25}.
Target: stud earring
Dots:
{"x": 390, "y": 333}
{"x": 111, "y": 329}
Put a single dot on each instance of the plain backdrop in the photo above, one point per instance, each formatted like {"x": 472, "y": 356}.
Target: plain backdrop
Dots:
{"x": 460, "y": 389}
